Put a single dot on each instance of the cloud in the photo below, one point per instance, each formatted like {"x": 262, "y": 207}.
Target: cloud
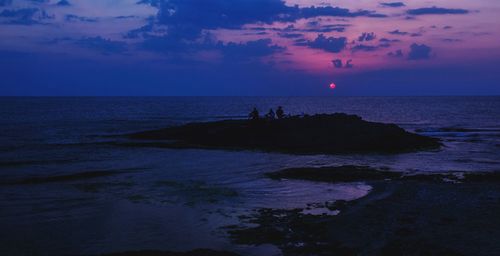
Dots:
{"x": 301, "y": 42}
{"x": 435, "y": 10}
{"x": 329, "y": 44}
{"x": 349, "y": 64}
{"x": 202, "y": 14}
{"x": 384, "y": 45}
{"x": 182, "y": 25}
{"x": 122, "y": 17}
{"x": 313, "y": 11}
{"x": 258, "y": 33}
{"x": 393, "y": 4}
{"x": 315, "y": 26}
{"x": 169, "y": 44}
{"x": 75, "y": 18}
{"x": 397, "y": 54}
{"x": 63, "y": 3}
{"x": 5, "y": 2}
{"x": 385, "y": 40}
{"x": 290, "y": 35}
{"x": 419, "y": 52}
{"x": 24, "y": 16}
{"x": 142, "y": 31}
{"x": 397, "y": 32}
{"x": 183, "y": 17}
{"x": 404, "y": 33}
{"x": 367, "y": 37}
{"x": 234, "y": 51}
{"x": 364, "y": 47}
{"x": 451, "y": 40}
{"x": 337, "y": 63}
{"x": 250, "y": 49}
{"x": 105, "y": 46}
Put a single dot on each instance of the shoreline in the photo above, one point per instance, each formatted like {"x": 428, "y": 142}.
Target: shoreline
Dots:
{"x": 397, "y": 217}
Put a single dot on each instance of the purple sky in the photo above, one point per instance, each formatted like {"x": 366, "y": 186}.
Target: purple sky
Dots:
{"x": 249, "y": 47}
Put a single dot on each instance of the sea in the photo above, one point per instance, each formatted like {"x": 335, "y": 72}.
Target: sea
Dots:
{"x": 183, "y": 199}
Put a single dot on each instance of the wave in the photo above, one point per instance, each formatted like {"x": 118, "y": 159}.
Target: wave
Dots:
{"x": 461, "y": 133}
{"x": 481, "y": 161}
{"x": 459, "y": 129}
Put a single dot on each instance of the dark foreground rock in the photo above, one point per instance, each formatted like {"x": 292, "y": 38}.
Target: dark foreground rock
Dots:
{"x": 354, "y": 173}
{"x": 198, "y": 252}
{"x": 344, "y": 173}
{"x": 405, "y": 214}
{"x": 396, "y": 218}
{"x": 324, "y": 134}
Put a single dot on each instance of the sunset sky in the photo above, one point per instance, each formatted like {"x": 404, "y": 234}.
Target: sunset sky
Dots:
{"x": 249, "y": 47}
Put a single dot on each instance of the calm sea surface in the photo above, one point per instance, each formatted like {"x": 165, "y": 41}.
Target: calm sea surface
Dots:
{"x": 180, "y": 199}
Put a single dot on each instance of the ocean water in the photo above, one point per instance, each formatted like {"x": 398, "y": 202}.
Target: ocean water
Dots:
{"x": 181, "y": 199}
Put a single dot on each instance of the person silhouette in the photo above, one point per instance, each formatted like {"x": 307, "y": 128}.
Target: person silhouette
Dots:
{"x": 280, "y": 113}
{"x": 254, "y": 115}
{"x": 270, "y": 114}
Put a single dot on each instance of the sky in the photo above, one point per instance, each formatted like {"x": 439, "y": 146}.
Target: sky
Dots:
{"x": 249, "y": 47}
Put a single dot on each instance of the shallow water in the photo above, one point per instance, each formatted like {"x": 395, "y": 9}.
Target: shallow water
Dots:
{"x": 181, "y": 199}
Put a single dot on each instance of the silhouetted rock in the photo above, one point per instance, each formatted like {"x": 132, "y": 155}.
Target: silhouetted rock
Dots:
{"x": 482, "y": 176}
{"x": 323, "y": 134}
